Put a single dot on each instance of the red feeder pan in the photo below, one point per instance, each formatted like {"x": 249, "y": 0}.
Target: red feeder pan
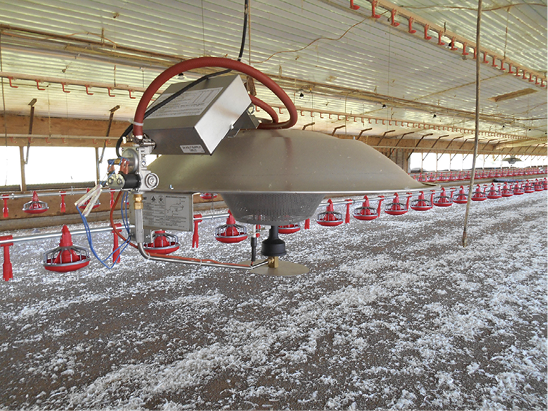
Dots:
{"x": 289, "y": 229}
{"x": 422, "y": 203}
{"x": 67, "y": 257}
{"x": 539, "y": 185}
{"x": 397, "y": 208}
{"x": 83, "y": 206}
{"x": 35, "y": 206}
{"x": 507, "y": 191}
{"x": 162, "y": 243}
{"x": 443, "y": 200}
{"x": 479, "y": 195}
{"x": 529, "y": 188}
{"x": 494, "y": 192}
{"x": 545, "y": 184}
{"x": 230, "y": 232}
{"x": 461, "y": 197}
{"x": 208, "y": 196}
{"x": 366, "y": 212}
{"x": 518, "y": 189}
{"x": 330, "y": 217}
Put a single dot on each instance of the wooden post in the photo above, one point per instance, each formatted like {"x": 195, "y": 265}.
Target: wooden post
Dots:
{"x": 97, "y": 172}
{"x": 97, "y": 157}
{"x": 22, "y": 162}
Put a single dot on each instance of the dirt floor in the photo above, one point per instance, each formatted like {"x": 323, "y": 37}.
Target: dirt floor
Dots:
{"x": 394, "y": 313}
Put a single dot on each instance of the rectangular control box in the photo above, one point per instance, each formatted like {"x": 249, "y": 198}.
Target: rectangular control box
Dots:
{"x": 196, "y": 121}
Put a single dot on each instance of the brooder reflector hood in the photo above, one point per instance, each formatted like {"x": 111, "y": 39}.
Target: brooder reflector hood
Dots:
{"x": 280, "y": 176}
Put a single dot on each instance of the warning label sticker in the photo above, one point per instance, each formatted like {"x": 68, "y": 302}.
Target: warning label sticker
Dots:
{"x": 167, "y": 211}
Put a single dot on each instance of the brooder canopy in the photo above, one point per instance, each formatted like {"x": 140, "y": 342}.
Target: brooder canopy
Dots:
{"x": 276, "y": 177}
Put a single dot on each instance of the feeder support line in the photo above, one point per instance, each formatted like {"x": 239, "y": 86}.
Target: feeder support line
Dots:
{"x": 12, "y": 196}
{"x": 36, "y": 237}
{"x": 476, "y": 131}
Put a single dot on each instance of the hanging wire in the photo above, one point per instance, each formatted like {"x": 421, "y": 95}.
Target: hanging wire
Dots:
{"x": 248, "y": 16}
{"x": 388, "y": 71}
{"x": 476, "y": 132}
{"x": 203, "y": 27}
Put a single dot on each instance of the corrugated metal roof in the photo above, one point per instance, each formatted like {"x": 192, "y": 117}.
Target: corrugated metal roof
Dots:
{"x": 345, "y": 61}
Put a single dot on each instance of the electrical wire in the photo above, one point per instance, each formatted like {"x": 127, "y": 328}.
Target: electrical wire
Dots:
{"x": 158, "y": 106}
{"x": 121, "y": 248}
{"x": 90, "y": 202}
{"x": 244, "y": 31}
{"x": 313, "y": 41}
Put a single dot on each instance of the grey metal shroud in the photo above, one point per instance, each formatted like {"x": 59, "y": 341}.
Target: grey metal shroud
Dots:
{"x": 284, "y": 161}
{"x": 277, "y": 177}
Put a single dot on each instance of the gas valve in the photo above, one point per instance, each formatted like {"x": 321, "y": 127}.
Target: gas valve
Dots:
{"x": 133, "y": 173}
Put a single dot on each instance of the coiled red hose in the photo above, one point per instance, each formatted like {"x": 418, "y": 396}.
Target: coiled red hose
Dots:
{"x": 214, "y": 62}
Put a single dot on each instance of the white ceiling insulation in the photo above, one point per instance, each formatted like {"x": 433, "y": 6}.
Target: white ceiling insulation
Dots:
{"x": 350, "y": 68}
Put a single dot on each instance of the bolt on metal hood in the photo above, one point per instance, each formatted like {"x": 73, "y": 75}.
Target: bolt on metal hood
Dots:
{"x": 284, "y": 161}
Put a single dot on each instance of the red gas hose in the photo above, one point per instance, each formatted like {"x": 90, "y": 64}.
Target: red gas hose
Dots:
{"x": 266, "y": 107}
{"x": 214, "y": 62}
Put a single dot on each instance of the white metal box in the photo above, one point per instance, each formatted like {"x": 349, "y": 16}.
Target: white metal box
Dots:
{"x": 196, "y": 121}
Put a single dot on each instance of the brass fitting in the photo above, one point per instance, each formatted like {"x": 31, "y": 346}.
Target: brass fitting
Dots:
{"x": 138, "y": 201}
{"x": 273, "y": 262}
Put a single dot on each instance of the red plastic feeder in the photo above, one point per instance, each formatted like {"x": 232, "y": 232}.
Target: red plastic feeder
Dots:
{"x": 84, "y": 205}
{"x": 443, "y": 200}
{"x": 208, "y": 196}
{"x": 162, "y": 243}
{"x": 289, "y": 229}
{"x": 507, "y": 191}
{"x": 494, "y": 192}
{"x": 195, "y": 234}
{"x": 366, "y": 212}
{"x": 397, "y": 208}
{"x": 518, "y": 189}
{"x": 545, "y": 184}
{"x": 479, "y": 195}
{"x": 230, "y": 232}
{"x": 67, "y": 257}
{"x": 7, "y": 267}
{"x": 330, "y": 217}
{"x": 422, "y": 203}
{"x": 461, "y": 197}
{"x": 529, "y": 188}
{"x": 539, "y": 185}
{"x": 35, "y": 206}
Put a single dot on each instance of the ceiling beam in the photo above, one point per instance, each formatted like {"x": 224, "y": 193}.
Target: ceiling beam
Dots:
{"x": 519, "y": 143}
